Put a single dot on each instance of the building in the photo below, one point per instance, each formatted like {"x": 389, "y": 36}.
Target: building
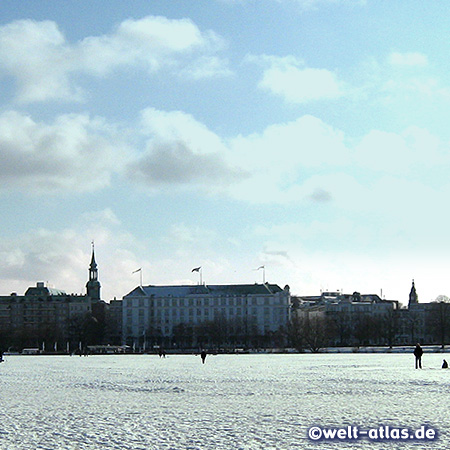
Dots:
{"x": 51, "y": 319}
{"x": 427, "y": 323}
{"x": 205, "y": 315}
{"x": 347, "y": 319}
{"x": 44, "y": 317}
{"x": 93, "y": 285}
{"x": 113, "y": 322}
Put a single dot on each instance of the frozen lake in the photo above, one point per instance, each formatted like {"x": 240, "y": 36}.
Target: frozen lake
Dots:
{"x": 231, "y": 402}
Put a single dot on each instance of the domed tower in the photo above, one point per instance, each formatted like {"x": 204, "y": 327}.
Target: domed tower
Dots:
{"x": 413, "y": 298}
{"x": 93, "y": 285}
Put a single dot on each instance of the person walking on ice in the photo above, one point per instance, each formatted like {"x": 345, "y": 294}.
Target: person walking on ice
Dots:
{"x": 418, "y": 352}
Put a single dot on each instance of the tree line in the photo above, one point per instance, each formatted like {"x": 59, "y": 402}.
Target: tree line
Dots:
{"x": 430, "y": 325}
{"x": 304, "y": 332}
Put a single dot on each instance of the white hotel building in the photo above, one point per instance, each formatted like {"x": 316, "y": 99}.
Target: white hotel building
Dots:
{"x": 158, "y": 315}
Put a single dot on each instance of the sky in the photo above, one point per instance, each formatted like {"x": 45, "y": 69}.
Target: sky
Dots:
{"x": 310, "y": 137}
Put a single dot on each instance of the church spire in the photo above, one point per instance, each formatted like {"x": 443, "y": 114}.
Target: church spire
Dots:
{"x": 93, "y": 267}
{"x": 93, "y": 285}
{"x": 413, "y": 298}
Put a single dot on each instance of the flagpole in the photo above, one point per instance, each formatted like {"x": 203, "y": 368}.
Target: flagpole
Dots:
{"x": 140, "y": 276}
{"x": 199, "y": 270}
{"x": 264, "y": 272}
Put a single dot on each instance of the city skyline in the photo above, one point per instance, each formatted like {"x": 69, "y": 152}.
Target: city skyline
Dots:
{"x": 179, "y": 134}
{"x": 96, "y": 287}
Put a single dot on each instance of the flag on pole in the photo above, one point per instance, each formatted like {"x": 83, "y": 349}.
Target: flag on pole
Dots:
{"x": 140, "y": 275}
{"x": 199, "y": 270}
{"x": 264, "y": 273}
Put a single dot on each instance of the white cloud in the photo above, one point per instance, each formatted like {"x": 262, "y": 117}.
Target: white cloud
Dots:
{"x": 306, "y": 142}
{"x": 73, "y": 153}
{"x": 282, "y": 158}
{"x": 383, "y": 151}
{"x": 288, "y": 78}
{"x": 271, "y": 167}
{"x": 306, "y": 5}
{"x": 181, "y": 151}
{"x": 206, "y": 67}
{"x": 42, "y": 255}
{"x": 400, "y": 153}
{"x": 314, "y": 4}
{"x": 37, "y": 56}
{"x": 155, "y": 32}
{"x": 413, "y": 88}
{"x": 402, "y": 82}
{"x": 301, "y": 85}
{"x": 178, "y": 126}
{"x": 411, "y": 59}
{"x": 62, "y": 257}
{"x": 105, "y": 216}
{"x": 304, "y": 161}
{"x": 153, "y": 41}
{"x": 175, "y": 164}
{"x": 44, "y": 64}
{"x": 77, "y": 153}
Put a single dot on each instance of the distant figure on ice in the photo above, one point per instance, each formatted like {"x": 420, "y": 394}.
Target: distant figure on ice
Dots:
{"x": 1, "y": 356}
{"x": 445, "y": 364}
{"x": 418, "y": 352}
{"x": 162, "y": 353}
{"x": 203, "y": 356}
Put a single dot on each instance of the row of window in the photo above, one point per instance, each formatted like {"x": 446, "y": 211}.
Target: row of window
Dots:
{"x": 166, "y": 331}
{"x": 176, "y": 302}
{"x": 267, "y": 318}
{"x": 48, "y": 307}
{"x": 207, "y": 312}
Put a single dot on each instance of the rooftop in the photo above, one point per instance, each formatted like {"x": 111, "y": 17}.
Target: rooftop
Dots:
{"x": 225, "y": 289}
{"x": 41, "y": 289}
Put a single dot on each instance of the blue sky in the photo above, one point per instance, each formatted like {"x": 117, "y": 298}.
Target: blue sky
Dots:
{"x": 308, "y": 136}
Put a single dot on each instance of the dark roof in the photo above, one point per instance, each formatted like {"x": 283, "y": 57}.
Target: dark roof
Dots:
{"x": 215, "y": 289}
{"x": 44, "y": 291}
{"x": 245, "y": 289}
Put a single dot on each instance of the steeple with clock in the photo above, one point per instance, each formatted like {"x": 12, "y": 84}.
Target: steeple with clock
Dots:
{"x": 93, "y": 285}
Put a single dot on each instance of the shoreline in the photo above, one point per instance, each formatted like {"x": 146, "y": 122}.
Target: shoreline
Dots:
{"x": 272, "y": 351}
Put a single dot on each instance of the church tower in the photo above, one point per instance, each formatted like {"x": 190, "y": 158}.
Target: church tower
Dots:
{"x": 413, "y": 298}
{"x": 93, "y": 285}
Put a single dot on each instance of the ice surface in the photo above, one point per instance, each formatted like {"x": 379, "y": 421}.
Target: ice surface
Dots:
{"x": 231, "y": 402}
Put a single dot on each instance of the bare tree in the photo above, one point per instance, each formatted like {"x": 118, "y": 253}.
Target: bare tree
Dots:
{"x": 438, "y": 320}
{"x": 295, "y": 334}
{"x": 342, "y": 329}
{"x": 389, "y": 326}
{"x": 316, "y": 332}
{"x": 365, "y": 329}
{"x": 413, "y": 322}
